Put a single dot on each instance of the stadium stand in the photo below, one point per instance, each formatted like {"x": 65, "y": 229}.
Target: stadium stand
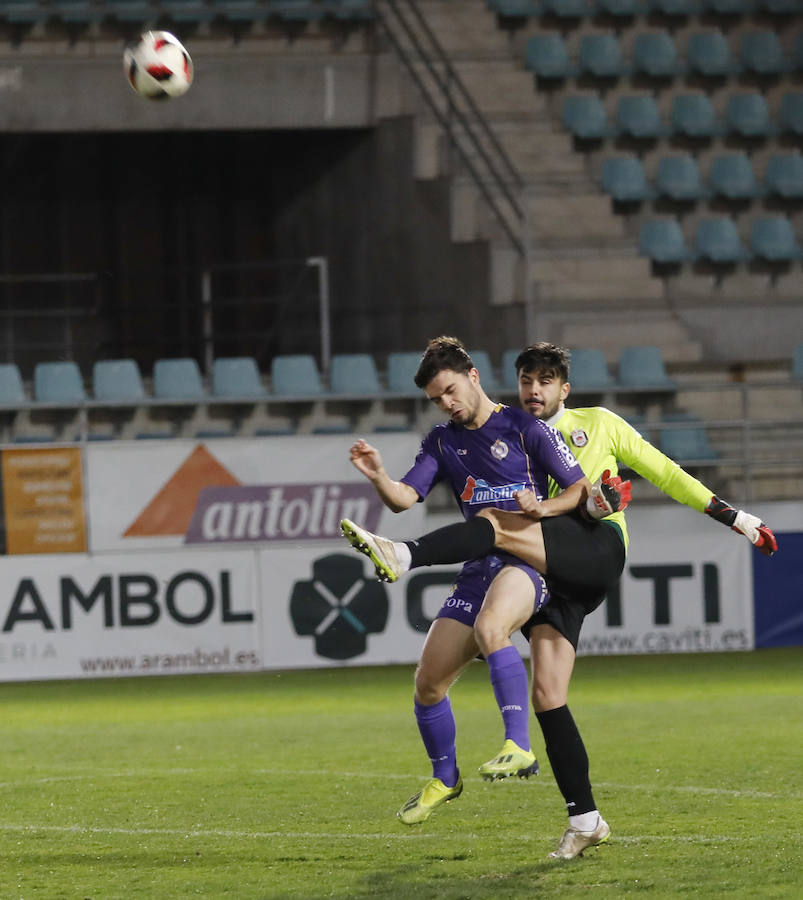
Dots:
{"x": 662, "y": 241}
{"x": 717, "y": 240}
{"x": 678, "y": 178}
{"x": 732, "y": 177}
{"x": 12, "y": 391}
{"x": 178, "y": 380}
{"x": 783, "y": 176}
{"x": 237, "y": 378}
{"x": 296, "y": 375}
{"x": 708, "y": 54}
{"x": 643, "y": 368}
{"x": 773, "y": 239}
{"x": 624, "y": 180}
{"x": 548, "y": 57}
{"x": 117, "y": 381}
{"x": 589, "y": 370}
{"x": 58, "y": 383}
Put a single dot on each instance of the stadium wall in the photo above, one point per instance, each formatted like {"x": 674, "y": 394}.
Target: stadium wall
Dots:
{"x": 132, "y": 559}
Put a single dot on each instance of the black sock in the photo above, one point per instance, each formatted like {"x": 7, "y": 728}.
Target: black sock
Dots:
{"x": 453, "y": 543}
{"x": 568, "y": 758}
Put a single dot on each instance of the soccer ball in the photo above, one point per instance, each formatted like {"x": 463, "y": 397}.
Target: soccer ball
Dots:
{"x": 158, "y": 66}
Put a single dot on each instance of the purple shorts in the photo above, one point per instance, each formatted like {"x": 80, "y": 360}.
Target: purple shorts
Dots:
{"x": 471, "y": 586}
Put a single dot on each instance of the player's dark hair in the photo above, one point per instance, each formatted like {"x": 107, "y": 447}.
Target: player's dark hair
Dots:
{"x": 544, "y": 358}
{"x": 443, "y": 353}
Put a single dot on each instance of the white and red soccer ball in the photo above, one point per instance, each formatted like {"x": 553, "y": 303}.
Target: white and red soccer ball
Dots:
{"x": 158, "y": 66}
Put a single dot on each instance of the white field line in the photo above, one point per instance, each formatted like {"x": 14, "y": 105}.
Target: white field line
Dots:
{"x": 317, "y": 773}
{"x": 350, "y": 836}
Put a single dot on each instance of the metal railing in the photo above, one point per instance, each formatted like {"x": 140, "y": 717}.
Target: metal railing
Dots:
{"x": 465, "y": 127}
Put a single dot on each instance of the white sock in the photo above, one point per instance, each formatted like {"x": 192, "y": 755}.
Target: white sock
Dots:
{"x": 403, "y": 555}
{"x": 585, "y": 821}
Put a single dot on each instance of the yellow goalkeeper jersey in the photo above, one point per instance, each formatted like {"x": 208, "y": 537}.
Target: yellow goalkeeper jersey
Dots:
{"x": 600, "y": 440}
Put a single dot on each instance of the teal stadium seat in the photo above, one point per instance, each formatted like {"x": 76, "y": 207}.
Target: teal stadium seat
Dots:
{"x": 585, "y": 118}
{"x": 674, "y": 9}
{"x": 236, "y": 377}
{"x": 514, "y": 9}
{"x": 178, "y": 379}
{"x": 732, "y": 177}
{"x": 693, "y": 116}
{"x": 717, "y": 240}
{"x": 510, "y": 378}
{"x": 601, "y": 56}
{"x": 790, "y": 118}
{"x": 688, "y": 444}
{"x": 781, "y": 7}
{"x": 772, "y": 238}
{"x": 566, "y": 9}
{"x": 643, "y": 367}
{"x": 678, "y": 178}
{"x": 187, "y": 11}
{"x": 637, "y": 117}
{"x": 748, "y": 115}
{"x": 354, "y": 373}
{"x": 484, "y": 366}
{"x": 295, "y": 10}
{"x": 117, "y": 381}
{"x": 654, "y": 55}
{"x": 76, "y": 12}
{"x": 547, "y": 56}
{"x": 23, "y": 12}
{"x": 589, "y": 370}
{"x": 623, "y": 179}
{"x": 783, "y": 176}
{"x": 128, "y": 11}
{"x": 355, "y": 10}
{"x": 401, "y": 371}
{"x": 12, "y": 392}
{"x": 708, "y": 54}
{"x": 727, "y": 7}
{"x": 295, "y": 375}
{"x": 760, "y": 52}
{"x": 662, "y": 241}
{"x": 242, "y": 10}
{"x": 621, "y": 9}
{"x": 58, "y": 383}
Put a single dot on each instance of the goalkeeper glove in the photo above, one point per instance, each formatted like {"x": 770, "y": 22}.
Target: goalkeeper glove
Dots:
{"x": 743, "y": 523}
{"x": 609, "y": 494}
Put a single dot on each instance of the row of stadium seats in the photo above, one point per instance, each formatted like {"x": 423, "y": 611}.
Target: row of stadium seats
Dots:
{"x": 190, "y": 11}
{"x": 297, "y": 376}
{"x": 584, "y": 9}
{"x": 747, "y": 115}
{"x": 655, "y": 55}
{"x": 678, "y": 178}
{"x": 717, "y": 240}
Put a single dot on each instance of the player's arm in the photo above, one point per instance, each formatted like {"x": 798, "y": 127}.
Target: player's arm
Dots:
{"x": 572, "y": 497}
{"x": 669, "y": 477}
{"x": 396, "y": 495}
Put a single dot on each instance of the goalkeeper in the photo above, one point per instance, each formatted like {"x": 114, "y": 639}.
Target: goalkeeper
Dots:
{"x": 598, "y": 438}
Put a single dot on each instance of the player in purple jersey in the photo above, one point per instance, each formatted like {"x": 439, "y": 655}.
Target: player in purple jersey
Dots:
{"x": 488, "y": 453}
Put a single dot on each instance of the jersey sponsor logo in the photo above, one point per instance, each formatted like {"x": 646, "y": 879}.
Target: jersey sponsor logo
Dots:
{"x": 499, "y": 449}
{"x": 565, "y": 451}
{"x": 477, "y": 490}
{"x": 579, "y": 437}
{"x": 461, "y": 451}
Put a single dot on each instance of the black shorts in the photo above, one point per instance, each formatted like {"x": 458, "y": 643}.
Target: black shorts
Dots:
{"x": 584, "y": 560}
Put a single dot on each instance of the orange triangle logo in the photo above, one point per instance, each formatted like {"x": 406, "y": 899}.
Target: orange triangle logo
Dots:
{"x": 170, "y": 511}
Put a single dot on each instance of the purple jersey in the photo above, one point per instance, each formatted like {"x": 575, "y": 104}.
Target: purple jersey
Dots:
{"x": 512, "y": 451}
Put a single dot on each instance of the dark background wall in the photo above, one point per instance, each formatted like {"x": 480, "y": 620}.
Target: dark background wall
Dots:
{"x": 149, "y": 211}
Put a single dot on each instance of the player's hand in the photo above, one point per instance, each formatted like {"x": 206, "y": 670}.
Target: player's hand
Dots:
{"x": 530, "y": 505}
{"x": 366, "y": 458}
{"x": 609, "y": 494}
{"x": 759, "y": 535}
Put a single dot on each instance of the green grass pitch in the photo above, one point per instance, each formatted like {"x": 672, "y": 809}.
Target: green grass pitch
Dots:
{"x": 285, "y": 785}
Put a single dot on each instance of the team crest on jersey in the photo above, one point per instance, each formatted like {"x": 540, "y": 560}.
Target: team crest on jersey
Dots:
{"x": 579, "y": 437}
{"x": 499, "y": 449}
{"x": 477, "y": 490}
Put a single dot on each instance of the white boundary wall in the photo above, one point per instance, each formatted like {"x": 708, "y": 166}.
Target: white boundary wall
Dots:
{"x": 152, "y": 603}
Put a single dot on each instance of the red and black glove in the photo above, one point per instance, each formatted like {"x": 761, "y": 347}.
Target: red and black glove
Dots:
{"x": 744, "y": 523}
{"x": 609, "y": 494}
